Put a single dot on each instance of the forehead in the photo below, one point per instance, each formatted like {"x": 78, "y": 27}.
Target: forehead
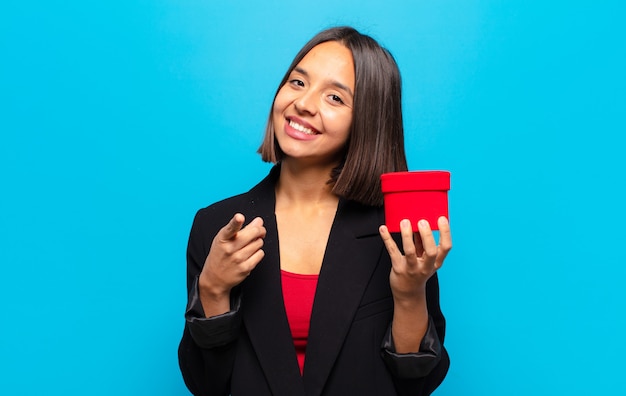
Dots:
{"x": 330, "y": 60}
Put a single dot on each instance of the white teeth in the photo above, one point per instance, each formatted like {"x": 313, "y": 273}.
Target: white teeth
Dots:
{"x": 301, "y": 128}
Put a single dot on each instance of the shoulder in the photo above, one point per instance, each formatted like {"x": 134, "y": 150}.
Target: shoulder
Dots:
{"x": 209, "y": 220}
{"x": 258, "y": 200}
{"x": 224, "y": 205}
{"x": 219, "y": 213}
{"x": 363, "y": 219}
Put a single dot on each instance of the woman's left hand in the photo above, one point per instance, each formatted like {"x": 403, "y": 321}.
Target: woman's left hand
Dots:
{"x": 422, "y": 257}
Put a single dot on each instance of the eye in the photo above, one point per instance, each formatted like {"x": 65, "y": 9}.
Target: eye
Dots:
{"x": 296, "y": 82}
{"x": 335, "y": 99}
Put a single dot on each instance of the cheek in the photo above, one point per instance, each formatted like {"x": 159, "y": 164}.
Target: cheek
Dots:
{"x": 348, "y": 122}
{"x": 277, "y": 110}
{"x": 281, "y": 101}
{"x": 341, "y": 123}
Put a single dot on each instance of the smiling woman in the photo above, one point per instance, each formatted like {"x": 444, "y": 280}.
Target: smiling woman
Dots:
{"x": 313, "y": 111}
{"x": 302, "y": 290}
{"x": 376, "y": 130}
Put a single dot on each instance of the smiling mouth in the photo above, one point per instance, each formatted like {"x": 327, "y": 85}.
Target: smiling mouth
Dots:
{"x": 301, "y": 128}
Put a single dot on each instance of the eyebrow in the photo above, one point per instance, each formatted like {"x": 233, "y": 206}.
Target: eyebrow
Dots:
{"x": 335, "y": 83}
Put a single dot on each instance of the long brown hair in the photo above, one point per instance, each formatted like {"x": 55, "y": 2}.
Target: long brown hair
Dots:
{"x": 376, "y": 140}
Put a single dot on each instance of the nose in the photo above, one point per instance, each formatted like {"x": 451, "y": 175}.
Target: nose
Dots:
{"x": 306, "y": 103}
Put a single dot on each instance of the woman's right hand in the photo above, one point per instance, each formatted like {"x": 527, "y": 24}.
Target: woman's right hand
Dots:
{"x": 234, "y": 253}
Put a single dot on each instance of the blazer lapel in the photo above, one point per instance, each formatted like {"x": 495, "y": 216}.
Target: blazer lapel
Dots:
{"x": 263, "y": 308}
{"x": 352, "y": 254}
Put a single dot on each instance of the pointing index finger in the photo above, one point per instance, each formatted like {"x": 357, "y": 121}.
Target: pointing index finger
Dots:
{"x": 234, "y": 225}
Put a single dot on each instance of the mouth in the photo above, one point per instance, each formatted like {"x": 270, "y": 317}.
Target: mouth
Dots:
{"x": 302, "y": 128}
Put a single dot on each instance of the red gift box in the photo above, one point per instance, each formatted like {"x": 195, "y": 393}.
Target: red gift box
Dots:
{"x": 415, "y": 196}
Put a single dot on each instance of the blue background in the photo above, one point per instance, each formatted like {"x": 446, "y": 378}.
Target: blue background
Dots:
{"x": 119, "y": 119}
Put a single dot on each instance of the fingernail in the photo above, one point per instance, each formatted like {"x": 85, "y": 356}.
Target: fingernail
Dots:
{"x": 405, "y": 223}
{"x": 423, "y": 223}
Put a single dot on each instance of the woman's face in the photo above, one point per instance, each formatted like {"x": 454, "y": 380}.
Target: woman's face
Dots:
{"x": 312, "y": 112}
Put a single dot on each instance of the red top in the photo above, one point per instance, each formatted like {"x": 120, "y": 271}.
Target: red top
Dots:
{"x": 298, "y": 294}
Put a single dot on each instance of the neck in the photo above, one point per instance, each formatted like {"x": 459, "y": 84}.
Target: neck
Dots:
{"x": 304, "y": 184}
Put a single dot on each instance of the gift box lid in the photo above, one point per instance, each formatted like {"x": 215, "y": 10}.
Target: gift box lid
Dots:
{"x": 435, "y": 180}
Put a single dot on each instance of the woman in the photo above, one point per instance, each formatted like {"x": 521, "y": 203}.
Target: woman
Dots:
{"x": 337, "y": 307}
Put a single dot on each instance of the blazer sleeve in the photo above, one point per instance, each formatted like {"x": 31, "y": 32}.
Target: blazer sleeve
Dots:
{"x": 426, "y": 369}
{"x": 207, "y": 349}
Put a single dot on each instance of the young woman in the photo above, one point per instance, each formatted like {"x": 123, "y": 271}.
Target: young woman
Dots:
{"x": 296, "y": 287}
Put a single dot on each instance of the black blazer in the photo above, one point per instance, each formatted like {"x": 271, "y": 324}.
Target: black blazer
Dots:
{"x": 249, "y": 351}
